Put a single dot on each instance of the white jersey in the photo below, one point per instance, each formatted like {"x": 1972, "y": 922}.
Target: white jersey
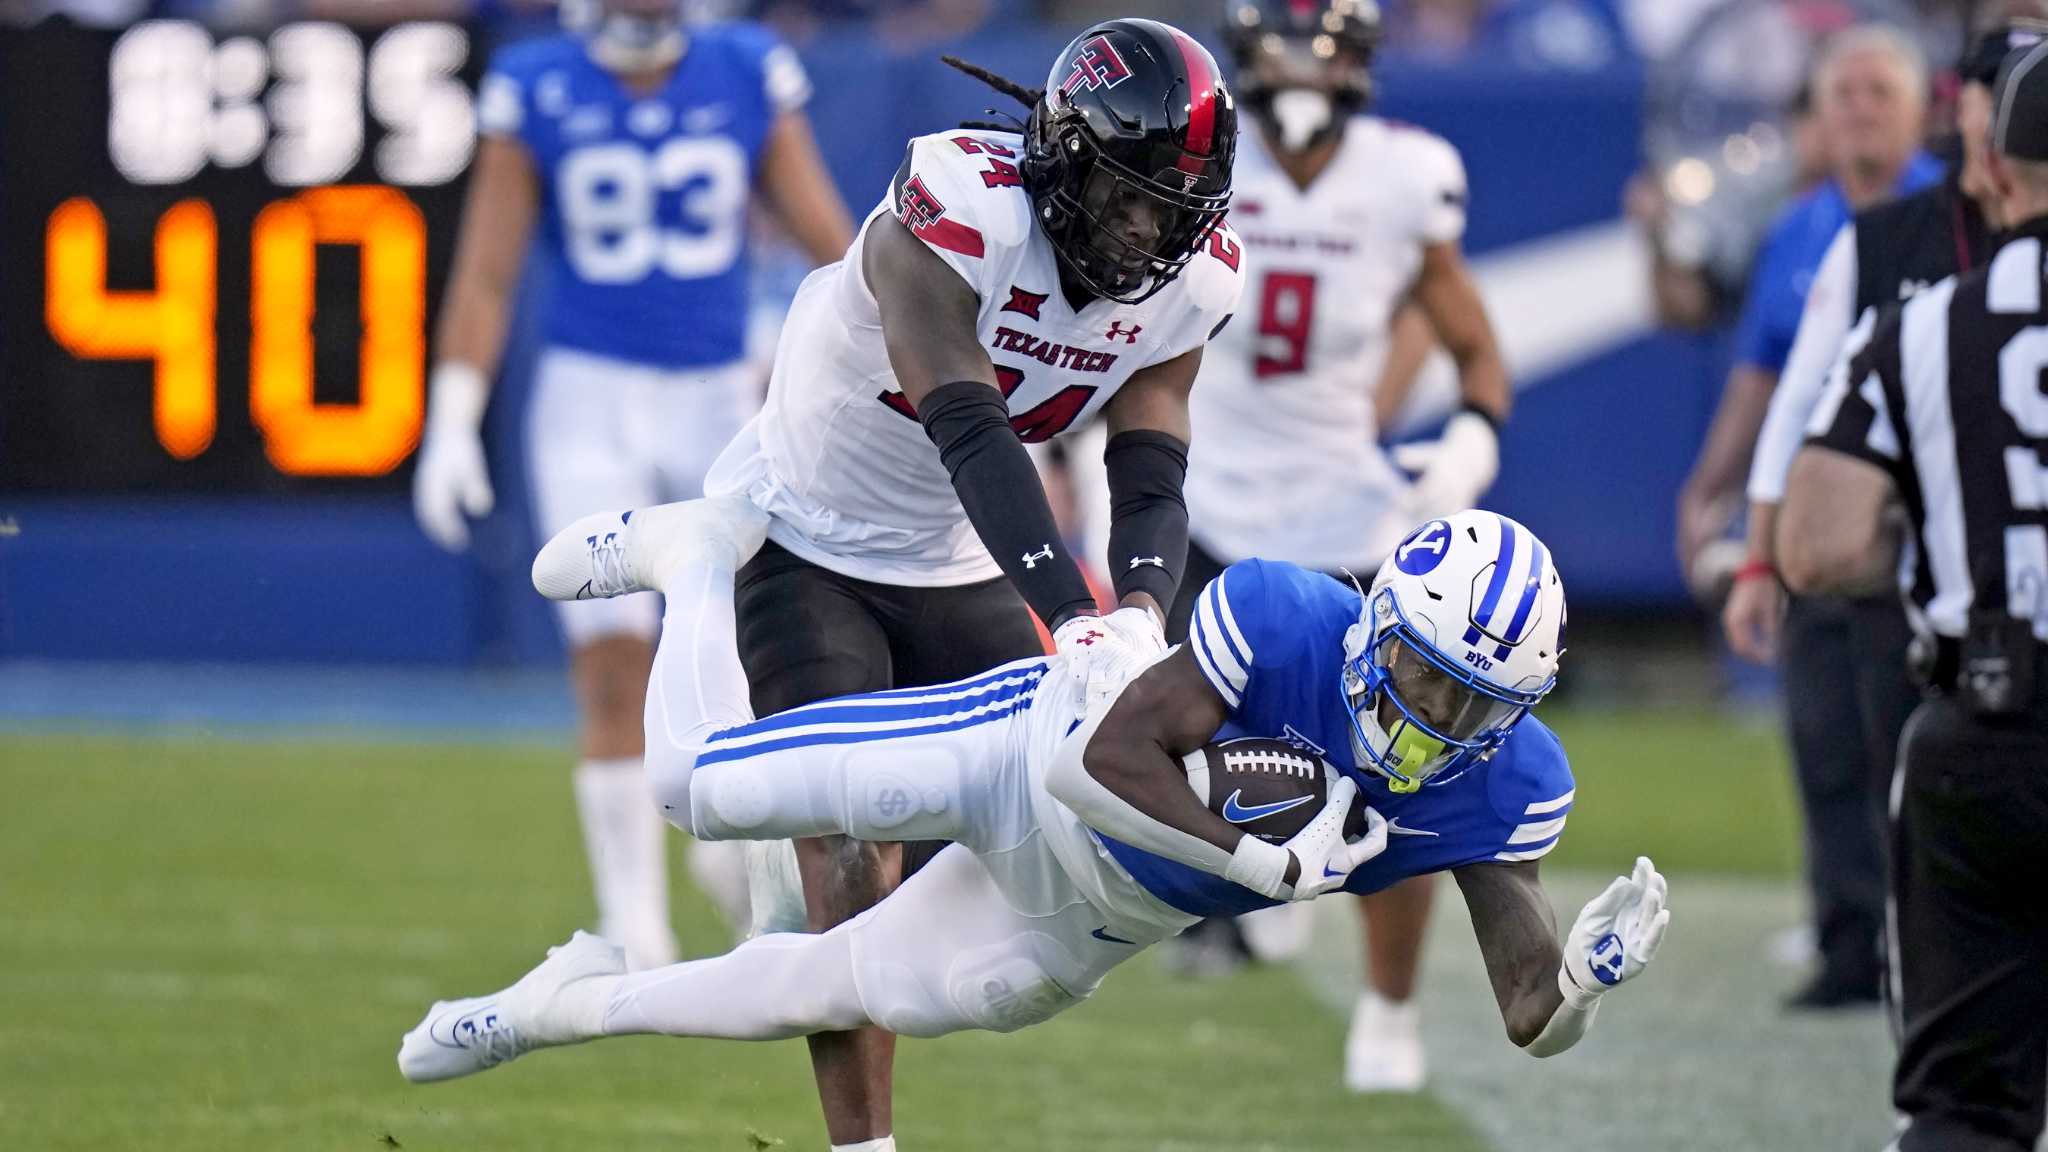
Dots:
{"x": 838, "y": 457}
{"x": 1285, "y": 461}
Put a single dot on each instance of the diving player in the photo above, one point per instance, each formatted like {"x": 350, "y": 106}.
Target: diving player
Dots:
{"x": 1344, "y": 217}
{"x": 635, "y": 142}
{"x": 1077, "y": 839}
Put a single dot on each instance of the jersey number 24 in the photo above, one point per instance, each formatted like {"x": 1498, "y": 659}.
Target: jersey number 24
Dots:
{"x": 610, "y": 193}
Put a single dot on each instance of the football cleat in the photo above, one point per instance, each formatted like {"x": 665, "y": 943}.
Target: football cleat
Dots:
{"x": 553, "y": 1004}
{"x": 610, "y": 554}
{"x": 1383, "y": 1052}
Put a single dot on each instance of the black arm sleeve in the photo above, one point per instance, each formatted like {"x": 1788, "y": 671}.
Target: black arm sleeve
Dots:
{"x": 1148, "y": 517}
{"x": 1004, "y": 499}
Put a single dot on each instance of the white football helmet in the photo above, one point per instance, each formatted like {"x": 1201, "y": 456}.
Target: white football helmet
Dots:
{"x": 1457, "y": 639}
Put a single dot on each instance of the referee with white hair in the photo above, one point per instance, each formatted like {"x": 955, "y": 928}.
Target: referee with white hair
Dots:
{"x": 1944, "y": 410}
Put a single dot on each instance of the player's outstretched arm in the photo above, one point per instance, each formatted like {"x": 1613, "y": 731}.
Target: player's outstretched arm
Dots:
{"x": 1548, "y": 995}
{"x": 929, "y": 318}
{"x": 1121, "y": 772}
{"x": 800, "y": 192}
{"x": 451, "y": 481}
{"x": 1146, "y": 460}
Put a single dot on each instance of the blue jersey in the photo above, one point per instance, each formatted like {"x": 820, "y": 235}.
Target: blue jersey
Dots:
{"x": 1270, "y": 639}
{"x": 1790, "y": 256}
{"x": 643, "y": 228}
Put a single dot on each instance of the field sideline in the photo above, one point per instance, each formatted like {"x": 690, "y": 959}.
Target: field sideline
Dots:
{"x": 215, "y": 944}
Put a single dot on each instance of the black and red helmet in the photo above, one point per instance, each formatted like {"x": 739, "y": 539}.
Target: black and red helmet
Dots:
{"x": 1128, "y": 155}
{"x": 1320, "y": 47}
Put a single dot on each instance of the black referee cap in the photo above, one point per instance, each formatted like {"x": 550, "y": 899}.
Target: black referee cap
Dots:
{"x": 2019, "y": 101}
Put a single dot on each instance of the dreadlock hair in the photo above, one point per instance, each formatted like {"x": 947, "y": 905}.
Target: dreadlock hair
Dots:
{"x": 1028, "y": 97}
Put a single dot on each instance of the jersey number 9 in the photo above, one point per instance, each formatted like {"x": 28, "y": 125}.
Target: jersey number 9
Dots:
{"x": 610, "y": 194}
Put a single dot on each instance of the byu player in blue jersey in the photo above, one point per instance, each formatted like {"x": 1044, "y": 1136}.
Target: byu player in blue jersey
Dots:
{"x": 1077, "y": 840}
{"x": 632, "y": 146}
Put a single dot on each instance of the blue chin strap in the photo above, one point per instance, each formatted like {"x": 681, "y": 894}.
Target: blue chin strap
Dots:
{"x": 1413, "y": 737}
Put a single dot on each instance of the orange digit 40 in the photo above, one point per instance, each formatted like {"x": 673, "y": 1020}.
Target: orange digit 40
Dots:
{"x": 174, "y": 325}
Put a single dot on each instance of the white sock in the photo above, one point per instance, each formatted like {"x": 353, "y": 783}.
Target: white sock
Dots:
{"x": 769, "y": 988}
{"x": 626, "y": 840}
{"x": 879, "y": 1144}
{"x": 697, "y": 686}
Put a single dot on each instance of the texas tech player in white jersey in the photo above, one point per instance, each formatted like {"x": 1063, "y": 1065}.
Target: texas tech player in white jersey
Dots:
{"x": 1286, "y": 459}
{"x": 838, "y": 456}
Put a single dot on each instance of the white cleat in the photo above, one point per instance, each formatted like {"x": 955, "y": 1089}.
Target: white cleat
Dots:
{"x": 562, "y": 1001}
{"x": 610, "y": 554}
{"x": 1383, "y": 1052}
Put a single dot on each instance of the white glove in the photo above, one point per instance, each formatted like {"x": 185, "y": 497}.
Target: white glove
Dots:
{"x": 1616, "y": 935}
{"x": 1453, "y": 471}
{"x": 1105, "y": 652}
{"x": 450, "y": 480}
{"x": 1326, "y": 858}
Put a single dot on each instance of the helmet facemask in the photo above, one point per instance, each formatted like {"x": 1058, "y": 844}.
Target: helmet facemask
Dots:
{"x": 1122, "y": 234}
{"x": 1414, "y": 712}
{"x": 1303, "y": 89}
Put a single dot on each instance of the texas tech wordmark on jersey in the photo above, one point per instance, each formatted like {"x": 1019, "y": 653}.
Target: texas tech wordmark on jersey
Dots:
{"x": 1285, "y": 459}
{"x": 838, "y": 456}
{"x": 1947, "y": 398}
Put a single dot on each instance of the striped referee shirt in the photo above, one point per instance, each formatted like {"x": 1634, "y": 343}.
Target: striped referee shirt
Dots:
{"x": 1948, "y": 394}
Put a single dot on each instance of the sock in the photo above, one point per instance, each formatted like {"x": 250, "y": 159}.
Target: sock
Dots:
{"x": 698, "y": 686}
{"x": 625, "y": 838}
{"x": 878, "y": 1144}
{"x": 769, "y": 988}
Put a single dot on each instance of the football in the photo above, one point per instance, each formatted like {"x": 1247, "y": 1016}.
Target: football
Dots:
{"x": 1270, "y": 788}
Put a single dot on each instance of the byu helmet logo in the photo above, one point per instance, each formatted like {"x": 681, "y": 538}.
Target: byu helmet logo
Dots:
{"x": 1424, "y": 549}
{"x": 1605, "y": 959}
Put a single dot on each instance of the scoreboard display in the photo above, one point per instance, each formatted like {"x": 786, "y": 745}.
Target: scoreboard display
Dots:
{"x": 223, "y": 253}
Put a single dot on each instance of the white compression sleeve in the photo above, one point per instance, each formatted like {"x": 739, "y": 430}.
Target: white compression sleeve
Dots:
{"x": 1830, "y": 307}
{"x": 1570, "y": 1023}
{"x": 1070, "y": 782}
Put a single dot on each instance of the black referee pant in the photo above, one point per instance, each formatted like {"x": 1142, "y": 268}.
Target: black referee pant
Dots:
{"x": 1847, "y": 698}
{"x": 1969, "y": 930}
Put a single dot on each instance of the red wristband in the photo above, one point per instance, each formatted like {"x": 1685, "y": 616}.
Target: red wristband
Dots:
{"x": 1756, "y": 568}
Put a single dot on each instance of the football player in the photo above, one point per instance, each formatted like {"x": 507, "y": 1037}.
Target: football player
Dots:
{"x": 1016, "y": 281}
{"x": 635, "y": 141}
{"x": 1344, "y": 217}
{"x": 1077, "y": 838}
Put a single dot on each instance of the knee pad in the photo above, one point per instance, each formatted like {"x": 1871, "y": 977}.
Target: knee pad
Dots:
{"x": 901, "y": 793}
{"x": 996, "y": 988}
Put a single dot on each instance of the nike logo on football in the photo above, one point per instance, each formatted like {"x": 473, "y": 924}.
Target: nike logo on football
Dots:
{"x": 1103, "y": 935}
{"x": 1239, "y": 814}
{"x": 1394, "y": 829}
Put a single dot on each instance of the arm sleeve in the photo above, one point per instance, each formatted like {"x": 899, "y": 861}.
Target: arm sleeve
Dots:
{"x": 1830, "y": 306}
{"x": 1854, "y": 414}
{"x": 1148, "y": 527}
{"x": 1004, "y": 499}
{"x": 1068, "y": 780}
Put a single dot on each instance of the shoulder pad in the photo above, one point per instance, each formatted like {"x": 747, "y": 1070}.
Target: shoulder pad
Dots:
{"x": 1529, "y": 784}
{"x": 967, "y": 180}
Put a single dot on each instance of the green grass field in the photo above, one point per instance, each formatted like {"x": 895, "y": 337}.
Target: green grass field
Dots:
{"x": 213, "y": 944}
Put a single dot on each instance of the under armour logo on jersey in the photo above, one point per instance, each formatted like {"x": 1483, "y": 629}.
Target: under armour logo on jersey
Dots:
{"x": 1142, "y": 561}
{"x": 1116, "y": 329}
{"x": 1097, "y": 65}
{"x": 1605, "y": 959}
{"x": 1027, "y": 303}
{"x": 1031, "y": 559}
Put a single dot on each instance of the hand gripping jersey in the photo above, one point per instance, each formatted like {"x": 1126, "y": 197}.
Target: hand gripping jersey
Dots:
{"x": 1269, "y": 637}
{"x": 644, "y": 198}
{"x": 838, "y": 456}
{"x": 1286, "y": 460}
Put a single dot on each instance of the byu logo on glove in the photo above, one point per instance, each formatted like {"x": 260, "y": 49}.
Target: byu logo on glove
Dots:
{"x": 1605, "y": 959}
